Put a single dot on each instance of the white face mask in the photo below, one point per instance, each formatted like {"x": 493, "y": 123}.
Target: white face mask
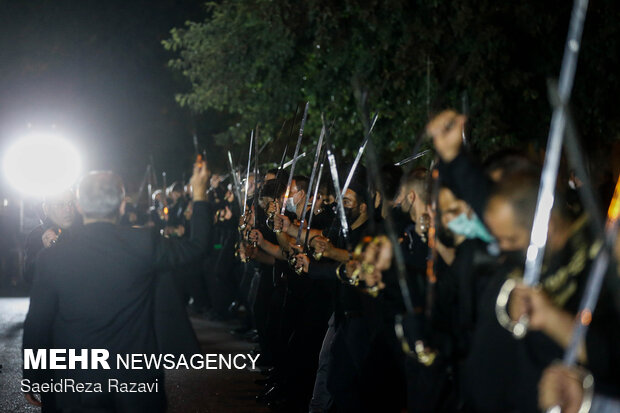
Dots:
{"x": 290, "y": 205}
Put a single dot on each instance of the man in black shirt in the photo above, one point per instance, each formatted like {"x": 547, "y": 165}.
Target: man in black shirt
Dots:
{"x": 96, "y": 291}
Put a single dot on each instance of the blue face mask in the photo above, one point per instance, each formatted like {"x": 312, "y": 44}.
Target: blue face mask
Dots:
{"x": 290, "y": 205}
{"x": 470, "y": 227}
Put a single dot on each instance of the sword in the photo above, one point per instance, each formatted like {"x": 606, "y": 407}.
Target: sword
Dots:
{"x": 290, "y": 133}
{"x": 195, "y": 141}
{"x": 141, "y": 190}
{"x": 401, "y": 271}
{"x": 344, "y": 226}
{"x": 464, "y": 111}
{"x": 540, "y": 226}
{"x": 360, "y": 152}
{"x": 292, "y": 161}
{"x": 164, "y": 196}
{"x": 235, "y": 179}
{"x": 247, "y": 176}
{"x": 256, "y": 172}
{"x": 590, "y": 298}
{"x": 270, "y": 215}
{"x": 319, "y": 146}
{"x": 574, "y": 151}
{"x": 595, "y": 280}
{"x": 281, "y": 164}
{"x": 313, "y": 206}
{"x": 290, "y": 176}
{"x": 412, "y": 158}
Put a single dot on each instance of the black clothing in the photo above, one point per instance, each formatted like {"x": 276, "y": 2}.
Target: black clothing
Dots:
{"x": 96, "y": 290}
{"x": 468, "y": 182}
{"x": 504, "y": 372}
{"x": 34, "y": 244}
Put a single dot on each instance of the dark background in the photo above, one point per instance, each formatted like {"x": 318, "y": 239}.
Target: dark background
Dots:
{"x": 97, "y": 70}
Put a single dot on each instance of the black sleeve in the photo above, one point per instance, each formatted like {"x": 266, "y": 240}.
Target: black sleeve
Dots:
{"x": 173, "y": 252}
{"x": 34, "y": 244}
{"x": 40, "y": 317}
{"x": 603, "y": 346}
{"x": 467, "y": 181}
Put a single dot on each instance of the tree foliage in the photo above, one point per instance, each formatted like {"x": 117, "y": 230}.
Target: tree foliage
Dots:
{"x": 255, "y": 60}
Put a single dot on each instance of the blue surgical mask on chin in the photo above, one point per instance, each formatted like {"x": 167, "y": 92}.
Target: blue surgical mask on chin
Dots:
{"x": 290, "y": 205}
{"x": 470, "y": 227}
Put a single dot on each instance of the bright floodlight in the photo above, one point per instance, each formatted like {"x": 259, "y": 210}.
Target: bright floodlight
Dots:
{"x": 42, "y": 164}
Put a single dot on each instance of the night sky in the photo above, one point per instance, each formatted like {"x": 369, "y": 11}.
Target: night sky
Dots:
{"x": 97, "y": 70}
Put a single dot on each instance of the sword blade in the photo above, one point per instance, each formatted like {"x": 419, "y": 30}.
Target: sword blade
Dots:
{"x": 344, "y": 226}
{"x": 315, "y": 164}
{"x": 247, "y": 175}
{"x": 313, "y": 206}
{"x": 540, "y": 226}
{"x": 412, "y": 158}
{"x": 256, "y": 180}
{"x": 236, "y": 185}
{"x": 289, "y": 163}
{"x": 360, "y": 152}
{"x": 595, "y": 281}
{"x": 292, "y": 172}
{"x": 401, "y": 271}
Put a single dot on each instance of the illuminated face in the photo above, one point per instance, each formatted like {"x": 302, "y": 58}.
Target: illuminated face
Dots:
{"x": 61, "y": 209}
{"x": 269, "y": 176}
{"x": 501, "y": 221}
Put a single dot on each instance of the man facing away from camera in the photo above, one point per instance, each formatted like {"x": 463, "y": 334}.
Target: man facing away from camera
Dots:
{"x": 96, "y": 291}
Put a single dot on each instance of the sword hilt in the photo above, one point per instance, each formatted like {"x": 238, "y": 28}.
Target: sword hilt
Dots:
{"x": 518, "y": 328}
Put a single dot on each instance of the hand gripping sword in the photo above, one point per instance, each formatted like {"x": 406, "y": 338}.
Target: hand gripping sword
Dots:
{"x": 590, "y": 297}
{"x": 540, "y": 226}
{"x": 312, "y": 209}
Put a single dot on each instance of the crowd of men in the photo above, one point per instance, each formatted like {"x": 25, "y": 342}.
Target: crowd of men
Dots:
{"x": 337, "y": 327}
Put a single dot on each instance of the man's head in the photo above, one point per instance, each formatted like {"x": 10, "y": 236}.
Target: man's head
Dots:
{"x": 413, "y": 194}
{"x": 446, "y": 129}
{"x": 60, "y": 209}
{"x": 297, "y": 194}
{"x": 271, "y": 174}
{"x": 510, "y": 209}
{"x": 450, "y": 207}
{"x": 355, "y": 206}
{"x": 100, "y": 196}
{"x": 176, "y": 191}
{"x": 506, "y": 162}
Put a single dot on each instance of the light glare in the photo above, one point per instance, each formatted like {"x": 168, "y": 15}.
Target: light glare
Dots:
{"x": 41, "y": 165}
